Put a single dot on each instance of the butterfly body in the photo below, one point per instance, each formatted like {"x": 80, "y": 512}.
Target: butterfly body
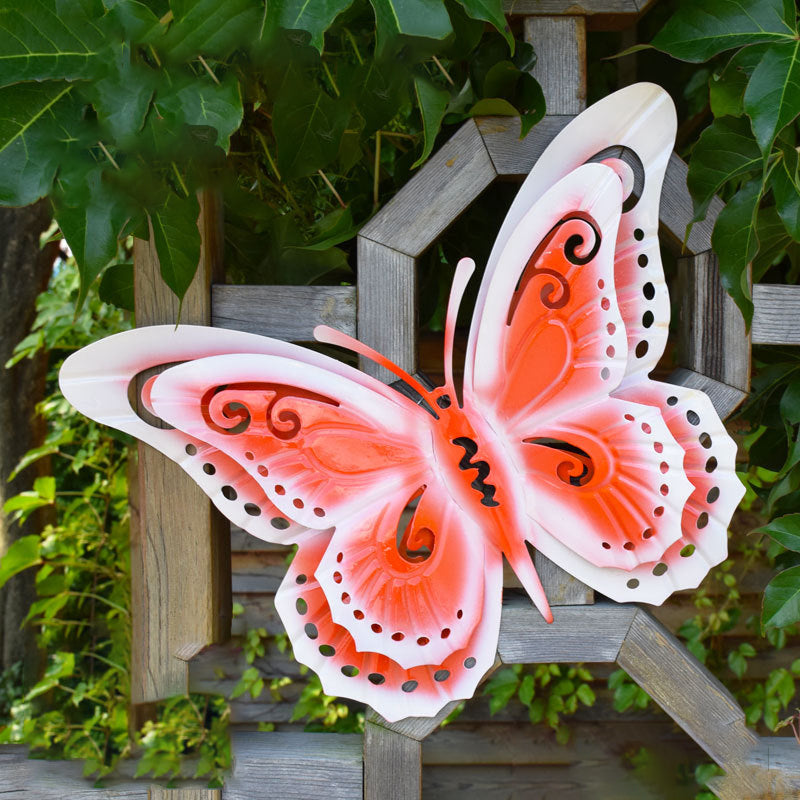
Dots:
{"x": 402, "y": 511}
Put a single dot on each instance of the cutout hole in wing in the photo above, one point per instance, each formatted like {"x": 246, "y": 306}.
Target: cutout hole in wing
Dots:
{"x": 415, "y": 542}
{"x": 577, "y": 468}
{"x": 627, "y": 164}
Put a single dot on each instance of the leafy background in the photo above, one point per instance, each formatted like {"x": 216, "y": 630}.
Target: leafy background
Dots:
{"x": 307, "y": 117}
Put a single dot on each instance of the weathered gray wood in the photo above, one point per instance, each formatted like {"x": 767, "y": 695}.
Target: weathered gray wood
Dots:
{"x": 413, "y": 727}
{"x": 294, "y": 766}
{"x": 179, "y": 604}
{"x": 444, "y": 187}
{"x": 582, "y": 7}
{"x": 578, "y": 633}
{"x": 776, "y": 319}
{"x": 387, "y": 309}
{"x": 22, "y": 778}
{"x": 725, "y": 399}
{"x": 561, "y": 588}
{"x": 675, "y": 211}
{"x": 392, "y": 765}
{"x": 511, "y": 155}
{"x": 713, "y": 339}
{"x": 686, "y": 690}
{"x": 289, "y": 313}
{"x": 560, "y": 44}
{"x": 184, "y": 793}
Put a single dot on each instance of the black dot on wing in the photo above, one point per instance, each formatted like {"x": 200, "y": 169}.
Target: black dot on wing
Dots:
{"x": 376, "y": 678}
{"x": 209, "y": 469}
{"x": 191, "y": 450}
{"x": 409, "y": 686}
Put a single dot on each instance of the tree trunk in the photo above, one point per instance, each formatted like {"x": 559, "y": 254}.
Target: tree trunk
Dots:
{"x": 24, "y": 272}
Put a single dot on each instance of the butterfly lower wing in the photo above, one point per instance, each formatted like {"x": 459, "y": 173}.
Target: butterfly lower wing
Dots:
{"x": 370, "y": 675}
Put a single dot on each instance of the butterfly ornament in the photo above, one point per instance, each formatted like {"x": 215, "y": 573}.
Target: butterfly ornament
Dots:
{"x": 402, "y": 511}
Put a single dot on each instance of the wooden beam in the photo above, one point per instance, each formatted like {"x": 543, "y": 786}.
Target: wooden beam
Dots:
{"x": 675, "y": 211}
{"x": 294, "y": 766}
{"x": 387, "y": 307}
{"x": 180, "y": 554}
{"x": 392, "y": 765}
{"x": 183, "y": 793}
{"x": 578, "y": 633}
{"x": 443, "y": 188}
{"x": 560, "y": 45}
{"x": 713, "y": 340}
{"x": 581, "y": 7}
{"x": 413, "y": 727}
{"x": 686, "y": 690}
{"x": 777, "y": 311}
{"x": 289, "y": 313}
{"x": 512, "y": 156}
{"x": 725, "y": 399}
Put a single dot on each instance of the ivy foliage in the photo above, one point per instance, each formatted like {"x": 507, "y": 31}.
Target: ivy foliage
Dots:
{"x": 749, "y": 151}
{"x": 120, "y": 110}
{"x": 78, "y": 708}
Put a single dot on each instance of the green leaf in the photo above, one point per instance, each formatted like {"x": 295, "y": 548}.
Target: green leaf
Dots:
{"x": 490, "y": 11}
{"x": 725, "y": 150}
{"x": 427, "y": 18}
{"x": 378, "y": 89}
{"x": 782, "y": 599}
{"x": 772, "y": 241}
{"x": 315, "y": 17}
{"x": 116, "y": 286}
{"x": 785, "y": 530}
{"x": 772, "y": 99}
{"x": 736, "y": 244}
{"x": 45, "y": 40}
{"x": 308, "y": 126}
{"x": 23, "y": 554}
{"x": 586, "y": 695}
{"x": 30, "y": 125}
{"x": 786, "y": 190}
{"x": 432, "y": 104}
{"x": 210, "y": 28}
{"x": 493, "y": 106}
{"x": 177, "y": 240}
{"x": 122, "y": 96}
{"x": 62, "y": 665}
{"x": 726, "y": 89}
{"x": 201, "y": 102}
{"x": 527, "y": 689}
{"x": 332, "y": 229}
{"x": 91, "y": 213}
{"x": 700, "y": 30}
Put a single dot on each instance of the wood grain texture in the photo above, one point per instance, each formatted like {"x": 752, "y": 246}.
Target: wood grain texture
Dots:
{"x": 675, "y": 211}
{"x": 686, "y": 690}
{"x": 561, "y": 588}
{"x": 387, "y": 308}
{"x": 578, "y": 633}
{"x": 184, "y": 793}
{"x": 579, "y": 7}
{"x": 511, "y": 155}
{"x": 776, "y": 319}
{"x": 712, "y": 340}
{"x": 443, "y": 188}
{"x": 22, "y": 778}
{"x": 560, "y": 45}
{"x": 180, "y": 550}
{"x": 392, "y": 765}
{"x": 413, "y": 727}
{"x": 289, "y": 313}
{"x": 294, "y": 766}
{"x": 725, "y": 399}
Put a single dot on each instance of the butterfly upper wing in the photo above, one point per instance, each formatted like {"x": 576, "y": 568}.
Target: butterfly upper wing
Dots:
{"x": 296, "y": 447}
{"x": 607, "y": 470}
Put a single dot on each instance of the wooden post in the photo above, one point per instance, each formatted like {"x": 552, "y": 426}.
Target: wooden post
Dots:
{"x": 180, "y": 550}
{"x": 560, "y": 45}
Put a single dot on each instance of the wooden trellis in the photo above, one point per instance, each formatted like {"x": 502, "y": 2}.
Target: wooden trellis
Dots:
{"x": 181, "y": 551}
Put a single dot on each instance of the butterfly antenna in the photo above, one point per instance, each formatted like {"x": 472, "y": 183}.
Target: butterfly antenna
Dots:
{"x": 322, "y": 333}
{"x": 464, "y": 270}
